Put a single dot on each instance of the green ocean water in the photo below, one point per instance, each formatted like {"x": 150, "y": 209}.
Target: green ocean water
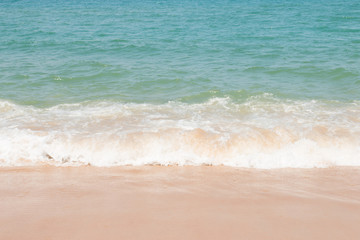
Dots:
{"x": 263, "y": 84}
{"x": 55, "y": 52}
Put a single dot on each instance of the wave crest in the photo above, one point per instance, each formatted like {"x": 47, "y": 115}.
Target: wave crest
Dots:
{"x": 262, "y": 132}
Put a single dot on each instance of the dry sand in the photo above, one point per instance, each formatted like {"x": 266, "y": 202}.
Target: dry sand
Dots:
{"x": 179, "y": 203}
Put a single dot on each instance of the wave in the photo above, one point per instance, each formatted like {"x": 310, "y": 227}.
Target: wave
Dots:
{"x": 261, "y": 132}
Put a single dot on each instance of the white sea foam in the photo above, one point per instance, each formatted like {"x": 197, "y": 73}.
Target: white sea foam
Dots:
{"x": 261, "y": 132}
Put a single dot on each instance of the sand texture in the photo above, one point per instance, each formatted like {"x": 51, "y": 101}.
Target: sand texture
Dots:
{"x": 153, "y": 202}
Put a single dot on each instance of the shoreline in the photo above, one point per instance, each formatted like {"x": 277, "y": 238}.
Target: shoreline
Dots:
{"x": 188, "y": 202}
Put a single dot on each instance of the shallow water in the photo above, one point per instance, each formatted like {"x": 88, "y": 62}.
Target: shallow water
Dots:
{"x": 241, "y": 83}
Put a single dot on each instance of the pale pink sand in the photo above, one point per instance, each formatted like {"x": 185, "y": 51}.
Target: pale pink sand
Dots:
{"x": 179, "y": 203}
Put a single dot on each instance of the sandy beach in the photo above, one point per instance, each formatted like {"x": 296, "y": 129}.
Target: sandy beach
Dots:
{"x": 179, "y": 120}
{"x": 153, "y": 202}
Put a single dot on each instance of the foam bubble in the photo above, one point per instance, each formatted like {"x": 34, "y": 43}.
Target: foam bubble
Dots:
{"x": 262, "y": 132}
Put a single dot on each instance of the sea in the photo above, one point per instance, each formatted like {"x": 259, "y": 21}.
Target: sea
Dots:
{"x": 255, "y": 84}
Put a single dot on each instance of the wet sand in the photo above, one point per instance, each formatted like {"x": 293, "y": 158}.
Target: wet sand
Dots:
{"x": 155, "y": 202}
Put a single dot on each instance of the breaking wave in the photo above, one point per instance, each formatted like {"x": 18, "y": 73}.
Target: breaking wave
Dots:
{"x": 261, "y": 132}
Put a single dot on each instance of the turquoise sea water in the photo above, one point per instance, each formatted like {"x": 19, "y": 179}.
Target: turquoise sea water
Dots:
{"x": 154, "y": 51}
{"x": 228, "y": 73}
